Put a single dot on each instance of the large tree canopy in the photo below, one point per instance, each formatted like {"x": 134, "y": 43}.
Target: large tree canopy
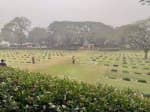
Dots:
{"x": 145, "y": 1}
{"x": 37, "y": 35}
{"x": 16, "y": 30}
{"x": 140, "y": 39}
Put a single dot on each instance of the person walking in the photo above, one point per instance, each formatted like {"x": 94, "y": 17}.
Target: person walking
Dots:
{"x": 73, "y": 59}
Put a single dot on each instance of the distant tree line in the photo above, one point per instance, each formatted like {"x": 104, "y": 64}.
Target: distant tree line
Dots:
{"x": 58, "y": 34}
{"x": 145, "y": 1}
{"x": 72, "y": 35}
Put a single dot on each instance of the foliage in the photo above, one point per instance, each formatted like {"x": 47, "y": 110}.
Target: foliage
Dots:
{"x": 67, "y": 33}
{"x": 127, "y": 79}
{"x": 140, "y": 39}
{"x": 38, "y": 35}
{"x": 145, "y": 1}
{"x": 22, "y": 91}
{"x": 16, "y": 30}
{"x": 142, "y": 81}
{"x": 70, "y": 35}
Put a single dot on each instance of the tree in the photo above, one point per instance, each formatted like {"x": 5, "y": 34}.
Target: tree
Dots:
{"x": 16, "y": 30}
{"x": 0, "y": 36}
{"x": 141, "y": 39}
{"x": 38, "y": 35}
{"x": 145, "y": 1}
{"x": 50, "y": 41}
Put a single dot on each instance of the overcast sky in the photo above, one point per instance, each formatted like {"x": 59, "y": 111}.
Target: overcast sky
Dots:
{"x": 43, "y": 12}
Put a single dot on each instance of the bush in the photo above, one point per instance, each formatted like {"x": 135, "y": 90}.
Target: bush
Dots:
{"x": 148, "y": 73}
{"x": 142, "y": 81}
{"x": 138, "y": 73}
{"x": 134, "y": 67}
{"x": 111, "y": 77}
{"x": 93, "y": 59}
{"x": 115, "y": 65}
{"x": 147, "y": 95}
{"x": 125, "y": 62}
{"x": 146, "y": 68}
{"x": 127, "y": 79}
{"x": 22, "y": 91}
{"x": 147, "y": 61}
{"x": 106, "y": 65}
{"x": 125, "y": 71}
{"x": 114, "y": 70}
{"x": 125, "y": 66}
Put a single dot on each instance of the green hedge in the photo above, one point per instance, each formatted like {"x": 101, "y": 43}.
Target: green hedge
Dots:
{"x": 22, "y": 91}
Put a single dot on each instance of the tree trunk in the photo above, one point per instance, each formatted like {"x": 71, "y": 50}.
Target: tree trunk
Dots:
{"x": 146, "y": 53}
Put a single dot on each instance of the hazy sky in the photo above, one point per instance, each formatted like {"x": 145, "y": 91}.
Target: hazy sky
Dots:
{"x": 43, "y": 12}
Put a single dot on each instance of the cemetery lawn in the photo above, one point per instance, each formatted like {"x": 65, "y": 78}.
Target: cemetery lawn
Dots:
{"x": 120, "y": 69}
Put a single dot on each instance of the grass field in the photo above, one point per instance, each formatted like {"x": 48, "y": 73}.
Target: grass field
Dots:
{"x": 121, "y": 69}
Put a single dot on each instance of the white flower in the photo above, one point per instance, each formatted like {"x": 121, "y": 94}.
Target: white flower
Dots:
{"x": 63, "y": 106}
{"x": 27, "y": 106}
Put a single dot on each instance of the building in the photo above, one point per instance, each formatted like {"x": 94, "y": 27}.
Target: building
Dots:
{"x": 87, "y": 46}
{"x": 4, "y": 44}
{"x": 28, "y": 45}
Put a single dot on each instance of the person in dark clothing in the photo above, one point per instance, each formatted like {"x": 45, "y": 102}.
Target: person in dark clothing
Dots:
{"x": 73, "y": 59}
{"x": 2, "y": 63}
{"x": 33, "y": 60}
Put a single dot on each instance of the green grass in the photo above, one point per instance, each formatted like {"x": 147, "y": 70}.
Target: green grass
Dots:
{"x": 92, "y": 66}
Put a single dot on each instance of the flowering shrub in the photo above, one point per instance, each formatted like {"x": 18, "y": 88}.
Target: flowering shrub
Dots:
{"x": 21, "y": 91}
